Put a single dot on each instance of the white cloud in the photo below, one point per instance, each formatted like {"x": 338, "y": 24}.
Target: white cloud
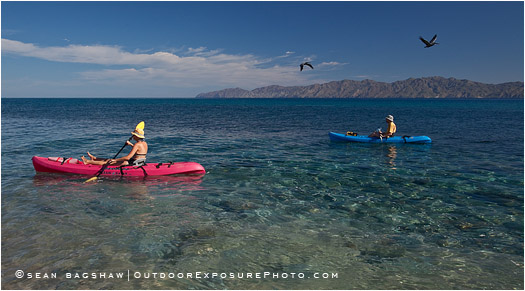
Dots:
{"x": 364, "y": 76}
{"x": 196, "y": 50}
{"x": 286, "y": 54}
{"x": 195, "y": 67}
{"x": 330, "y": 64}
{"x": 202, "y": 52}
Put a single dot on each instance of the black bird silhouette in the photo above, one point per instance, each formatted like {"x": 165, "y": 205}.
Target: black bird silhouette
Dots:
{"x": 431, "y": 43}
{"x": 306, "y": 64}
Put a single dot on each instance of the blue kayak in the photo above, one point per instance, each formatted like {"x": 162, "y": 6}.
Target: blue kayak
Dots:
{"x": 363, "y": 138}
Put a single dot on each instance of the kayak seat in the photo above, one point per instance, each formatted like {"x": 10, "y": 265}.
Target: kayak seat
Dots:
{"x": 137, "y": 162}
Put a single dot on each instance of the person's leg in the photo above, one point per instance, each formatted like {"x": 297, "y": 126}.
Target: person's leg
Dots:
{"x": 92, "y": 162}
{"x": 95, "y": 158}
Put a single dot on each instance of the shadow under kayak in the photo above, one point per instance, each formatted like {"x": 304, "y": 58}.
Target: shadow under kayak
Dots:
{"x": 338, "y": 137}
{"x": 74, "y": 166}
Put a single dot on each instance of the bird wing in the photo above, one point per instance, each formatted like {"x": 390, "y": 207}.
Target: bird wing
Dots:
{"x": 424, "y": 41}
{"x": 309, "y": 65}
{"x": 433, "y": 40}
{"x": 301, "y": 65}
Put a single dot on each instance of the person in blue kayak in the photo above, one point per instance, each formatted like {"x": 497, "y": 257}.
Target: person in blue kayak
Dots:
{"x": 136, "y": 157}
{"x": 391, "y": 129}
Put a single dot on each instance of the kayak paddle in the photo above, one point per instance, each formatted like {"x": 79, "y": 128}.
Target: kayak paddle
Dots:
{"x": 139, "y": 126}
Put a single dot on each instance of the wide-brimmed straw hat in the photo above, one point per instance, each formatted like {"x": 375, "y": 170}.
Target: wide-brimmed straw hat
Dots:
{"x": 138, "y": 133}
{"x": 390, "y": 118}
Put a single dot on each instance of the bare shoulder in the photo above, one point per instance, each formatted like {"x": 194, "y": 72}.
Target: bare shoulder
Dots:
{"x": 143, "y": 145}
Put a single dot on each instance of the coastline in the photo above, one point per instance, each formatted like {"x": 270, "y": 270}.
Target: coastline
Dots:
{"x": 427, "y": 87}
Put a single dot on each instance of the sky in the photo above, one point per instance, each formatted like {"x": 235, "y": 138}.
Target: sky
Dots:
{"x": 181, "y": 49}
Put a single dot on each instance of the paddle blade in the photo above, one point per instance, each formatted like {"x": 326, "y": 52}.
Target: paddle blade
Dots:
{"x": 91, "y": 179}
{"x": 140, "y": 125}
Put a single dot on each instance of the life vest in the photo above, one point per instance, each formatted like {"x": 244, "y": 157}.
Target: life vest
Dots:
{"x": 391, "y": 128}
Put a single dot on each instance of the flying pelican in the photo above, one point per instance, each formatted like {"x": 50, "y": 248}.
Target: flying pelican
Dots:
{"x": 306, "y": 64}
{"x": 431, "y": 43}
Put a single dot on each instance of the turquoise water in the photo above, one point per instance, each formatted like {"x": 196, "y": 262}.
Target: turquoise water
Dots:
{"x": 278, "y": 196}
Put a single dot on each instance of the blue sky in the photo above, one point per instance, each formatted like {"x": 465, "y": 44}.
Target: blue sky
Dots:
{"x": 180, "y": 49}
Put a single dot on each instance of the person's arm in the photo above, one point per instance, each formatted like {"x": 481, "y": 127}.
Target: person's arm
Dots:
{"x": 129, "y": 156}
{"x": 386, "y": 134}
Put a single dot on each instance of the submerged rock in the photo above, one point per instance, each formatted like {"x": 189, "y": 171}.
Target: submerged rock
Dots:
{"x": 169, "y": 251}
{"x": 104, "y": 208}
{"x": 188, "y": 237}
{"x": 384, "y": 249}
{"x": 196, "y": 234}
{"x": 388, "y": 252}
{"x": 235, "y": 206}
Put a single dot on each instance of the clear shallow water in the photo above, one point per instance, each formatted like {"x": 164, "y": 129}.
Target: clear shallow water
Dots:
{"x": 278, "y": 196}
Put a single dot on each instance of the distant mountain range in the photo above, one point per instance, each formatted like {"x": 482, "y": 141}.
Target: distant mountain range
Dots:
{"x": 429, "y": 87}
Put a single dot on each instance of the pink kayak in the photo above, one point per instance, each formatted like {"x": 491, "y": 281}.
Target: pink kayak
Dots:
{"x": 74, "y": 166}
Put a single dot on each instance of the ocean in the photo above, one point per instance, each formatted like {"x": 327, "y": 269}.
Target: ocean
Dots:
{"x": 280, "y": 205}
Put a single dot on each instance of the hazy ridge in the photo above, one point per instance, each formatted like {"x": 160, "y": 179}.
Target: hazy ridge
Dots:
{"x": 428, "y": 87}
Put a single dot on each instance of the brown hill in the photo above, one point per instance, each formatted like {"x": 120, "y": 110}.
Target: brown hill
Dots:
{"x": 430, "y": 87}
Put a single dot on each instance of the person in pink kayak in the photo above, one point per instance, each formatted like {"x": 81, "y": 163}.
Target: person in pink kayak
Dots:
{"x": 136, "y": 157}
{"x": 391, "y": 129}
